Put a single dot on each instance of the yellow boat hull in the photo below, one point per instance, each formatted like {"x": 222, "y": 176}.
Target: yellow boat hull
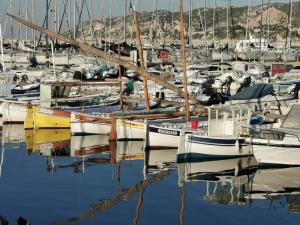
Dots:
{"x": 51, "y": 119}
{"x": 28, "y": 123}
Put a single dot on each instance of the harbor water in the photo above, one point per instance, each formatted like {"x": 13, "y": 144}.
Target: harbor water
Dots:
{"x": 82, "y": 180}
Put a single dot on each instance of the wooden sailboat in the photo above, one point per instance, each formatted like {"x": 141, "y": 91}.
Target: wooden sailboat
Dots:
{"x": 157, "y": 136}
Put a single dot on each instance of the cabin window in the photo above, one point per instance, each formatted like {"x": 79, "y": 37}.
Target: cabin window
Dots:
{"x": 213, "y": 68}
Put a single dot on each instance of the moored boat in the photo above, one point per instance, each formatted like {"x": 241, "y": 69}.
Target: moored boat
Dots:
{"x": 279, "y": 146}
{"x": 13, "y": 112}
{"x": 85, "y": 124}
{"x": 130, "y": 130}
{"x": 222, "y": 138}
{"x": 44, "y": 118}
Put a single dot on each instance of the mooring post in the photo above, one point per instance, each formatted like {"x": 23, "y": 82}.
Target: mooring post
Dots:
{"x": 113, "y": 131}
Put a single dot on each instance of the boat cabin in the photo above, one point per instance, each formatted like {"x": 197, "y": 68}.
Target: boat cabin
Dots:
{"x": 227, "y": 120}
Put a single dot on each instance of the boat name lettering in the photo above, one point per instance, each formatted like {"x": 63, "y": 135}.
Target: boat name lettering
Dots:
{"x": 168, "y": 132}
{"x": 47, "y": 111}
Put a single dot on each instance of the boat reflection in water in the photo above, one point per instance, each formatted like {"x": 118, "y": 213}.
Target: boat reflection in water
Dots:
{"x": 129, "y": 150}
{"x": 13, "y": 134}
{"x": 243, "y": 182}
{"x": 157, "y": 160}
{"x": 279, "y": 187}
{"x": 63, "y": 150}
{"x": 228, "y": 181}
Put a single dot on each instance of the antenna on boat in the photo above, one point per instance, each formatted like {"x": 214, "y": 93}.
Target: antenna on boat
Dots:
{"x": 183, "y": 55}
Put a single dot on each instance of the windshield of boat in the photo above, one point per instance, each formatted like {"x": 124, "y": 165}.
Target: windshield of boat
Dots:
{"x": 292, "y": 119}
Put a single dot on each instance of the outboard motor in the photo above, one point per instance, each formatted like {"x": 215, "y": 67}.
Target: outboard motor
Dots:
{"x": 227, "y": 83}
{"x": 246, "y": 83}
{"x": 265, "y": 74}
{"x": 23, "y": 79}
{"x": 296, "y": 91}
{"x": 16, "y": 78}
{"x": 216, "y": 99}
{"x": 1, "y": 67}
{"x": 79, "y": 75}
{"x": 33, "y": 61}
{"x": 207, "y": 86}
{"x": 225, "y": 47}
{"x": 211, "y": 45}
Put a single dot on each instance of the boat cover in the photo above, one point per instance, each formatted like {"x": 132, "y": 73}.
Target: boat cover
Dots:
{"x": 292, "y": 120}
{"x": 256, "y": 91}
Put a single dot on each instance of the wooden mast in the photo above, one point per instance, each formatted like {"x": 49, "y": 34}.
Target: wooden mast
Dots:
{"x": 183, "y": 50}
{"x": 141, "y": 55}
{"x": 111, "y": 58}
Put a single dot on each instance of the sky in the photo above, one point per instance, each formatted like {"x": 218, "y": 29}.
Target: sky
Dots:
{"x": 102, "y": 7}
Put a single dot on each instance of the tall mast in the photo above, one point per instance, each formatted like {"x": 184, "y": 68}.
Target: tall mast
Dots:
{"x": 125, "y": 6}
{"x": 55, "y": 17}
{"x": 173, "y": 19}
{"x": 183, "y": 50}
{"x": 20, "y": 25}
{"x": 227, "y": 18}
{"x": 69, "y": 16}
{"x": 81, "y": 23}
{"x": 290, "y": 22}
{"x": 33, "y": 21}
{"x": 74, "y": 19}
{"x": 26, "y": 17}
{"x": 190, "y": 24}
{"x": 248, "y": 23}
{"x": 110, "y": 18}
{"x": 156, "y": 20}
{"x": 268, "y": 19}
{"x": 1, "y": 48}
{"x": 261, "y": 30}
{"x": 11, "y": 29}
{"x": 92, "y": 28}
{"x": 141, "y": 55}
{"x": 214, "y": 19}
{"x": 47, "y": 25}
{"x": 205, "y": 23}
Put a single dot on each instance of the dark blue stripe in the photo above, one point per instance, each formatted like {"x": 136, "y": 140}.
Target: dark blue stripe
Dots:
{"x": 198, "y": 157}
{"x": 219, "y": 141}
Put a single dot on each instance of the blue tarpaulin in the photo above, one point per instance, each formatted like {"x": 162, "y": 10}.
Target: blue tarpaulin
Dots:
{"x": 256, "y": 91}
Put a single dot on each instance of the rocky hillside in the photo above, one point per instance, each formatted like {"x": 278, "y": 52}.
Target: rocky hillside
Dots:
{"x": 159, "y": 27}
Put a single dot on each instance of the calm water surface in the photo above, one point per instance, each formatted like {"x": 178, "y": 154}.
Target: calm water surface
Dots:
{"x": 83, "y": 180}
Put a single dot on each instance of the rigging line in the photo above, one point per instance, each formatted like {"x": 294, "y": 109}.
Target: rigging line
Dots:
{"x": 44, "y": 23}
{"x": 80, "y": 14}
{"x": 93, "y": 26}
{"x": 5, "y": 9}
{"x": 63, "y": 16}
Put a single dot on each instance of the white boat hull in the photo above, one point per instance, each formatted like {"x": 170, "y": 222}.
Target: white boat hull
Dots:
{"x": 84, "y": 128}
{"x": 281, "y": 155}
{"x": 207, "y": 147}
{"x": 130, "y": 130}
{"x": 161, "y": 137}
{"x": 82, "y": 124}
{"x": 13, "y": 113}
